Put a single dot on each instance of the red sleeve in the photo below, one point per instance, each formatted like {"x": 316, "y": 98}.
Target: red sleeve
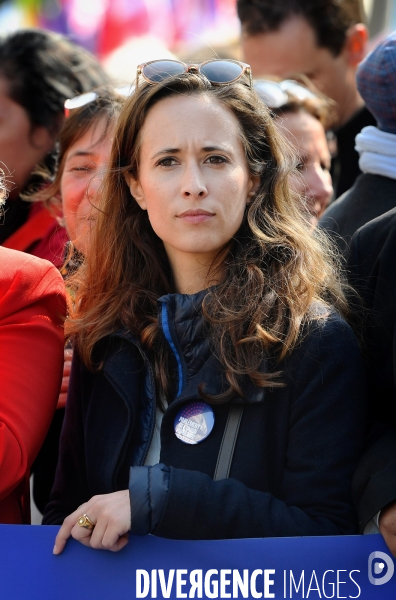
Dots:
{"x": 32, "y": 309}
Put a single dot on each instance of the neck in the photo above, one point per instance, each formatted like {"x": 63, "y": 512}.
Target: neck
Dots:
{"x": 352, "y": 103}
{"x": 193, "y": 272}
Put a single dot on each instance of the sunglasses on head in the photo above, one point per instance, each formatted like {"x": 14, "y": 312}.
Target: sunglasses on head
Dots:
{"x": 277, "y": 94}
{"x": 88, "y": 97}
{"x": 216, "y": 71}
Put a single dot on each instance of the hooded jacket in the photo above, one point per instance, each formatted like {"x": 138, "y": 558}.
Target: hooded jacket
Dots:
{"x": 294, "y": 456}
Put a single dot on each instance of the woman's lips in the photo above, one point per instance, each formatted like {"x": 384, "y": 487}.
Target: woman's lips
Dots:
{"x": 195, "y": 216}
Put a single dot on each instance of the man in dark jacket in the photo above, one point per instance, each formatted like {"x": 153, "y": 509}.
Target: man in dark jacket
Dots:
{"x": 374, "y": 192}
{"x": 372, "y": 272}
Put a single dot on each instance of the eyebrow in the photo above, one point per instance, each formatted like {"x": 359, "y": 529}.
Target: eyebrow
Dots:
{"x": 205, "y": 149}
{"x": 167, "y": 151}
{"x": 304, "y": 158}
{"x": 80, "y": 153}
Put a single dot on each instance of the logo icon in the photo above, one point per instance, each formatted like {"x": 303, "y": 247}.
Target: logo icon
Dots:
{"x": 381, "y": 564}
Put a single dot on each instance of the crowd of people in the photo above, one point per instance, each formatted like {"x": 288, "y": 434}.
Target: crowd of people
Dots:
{"x": 216, "y": 334}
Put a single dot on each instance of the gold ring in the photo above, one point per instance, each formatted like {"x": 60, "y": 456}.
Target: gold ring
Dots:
{"x": 85, "y": 522}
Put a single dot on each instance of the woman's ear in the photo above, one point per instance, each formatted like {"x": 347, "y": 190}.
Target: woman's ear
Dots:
{"x": 254, "y": 185}
{"x": 136, "y": 190}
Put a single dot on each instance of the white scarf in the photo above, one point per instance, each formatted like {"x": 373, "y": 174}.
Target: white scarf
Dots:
{"x": 377, "y": 151}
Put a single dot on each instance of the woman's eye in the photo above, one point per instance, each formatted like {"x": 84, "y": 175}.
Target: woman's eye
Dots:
{"x": 300, "y": 167}
{"x": 216, "y": 160}
{"x": 81, "y": 169}
{"x": 167, "y": 162}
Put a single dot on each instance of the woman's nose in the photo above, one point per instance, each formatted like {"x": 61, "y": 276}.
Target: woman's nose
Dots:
{"x": 193, "y": 184}
{"x": 94, "y": 183}
{"x": 319, "y": 187}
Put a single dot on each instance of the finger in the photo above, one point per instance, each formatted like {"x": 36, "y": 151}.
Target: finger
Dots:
{"x": 105, "y": 528}
{"x": 62, "y": 537}
{"x": 389, "y": 535}
{"x": 61, "y": 400}
{"x": 68, "y": 354}
{"x": 66, "y": 528}
{"x": 98, "y": 534}
{"x": 120, "y": 544}
{"x": 111, "y": 524}
{"x": 390, "y": 541}
{"x": 65, "y": 384}
{"x": 82, "y": 534}
{"x": 111, "y": 536}
{"x": 66, "y": 369}
{"x": 85, "y": 541}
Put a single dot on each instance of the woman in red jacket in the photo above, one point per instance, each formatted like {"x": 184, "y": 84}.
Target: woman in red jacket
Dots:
{"x": 32, "y": 308}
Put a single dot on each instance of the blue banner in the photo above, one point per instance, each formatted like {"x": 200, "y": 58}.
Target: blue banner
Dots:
{"x": 150, "y": 567}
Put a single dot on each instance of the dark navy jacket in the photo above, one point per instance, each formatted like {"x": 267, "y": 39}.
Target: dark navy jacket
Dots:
{"x": 372, "y": 265}
{"x": 294, "y": 456}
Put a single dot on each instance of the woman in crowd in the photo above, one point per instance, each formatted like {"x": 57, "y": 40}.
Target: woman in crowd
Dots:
{"x": 32, "y": 309}
{"x": 303, "y": 117}
{"x": 216, "y": 391}
{"x": 84, "y": 150}
{"x": 39, "y": 70}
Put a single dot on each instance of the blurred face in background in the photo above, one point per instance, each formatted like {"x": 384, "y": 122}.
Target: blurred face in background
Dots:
{"x": 22, "y": 145}
{"x": 308, "y": 137}
{"x": 293, "y": 49}
{"x": 85, "y": 163}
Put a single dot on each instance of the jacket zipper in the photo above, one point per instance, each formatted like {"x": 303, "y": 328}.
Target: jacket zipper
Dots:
{"x": 168, "y": 336}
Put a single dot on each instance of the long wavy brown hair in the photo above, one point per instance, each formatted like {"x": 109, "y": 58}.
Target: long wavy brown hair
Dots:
{"x": 273, "y": 269}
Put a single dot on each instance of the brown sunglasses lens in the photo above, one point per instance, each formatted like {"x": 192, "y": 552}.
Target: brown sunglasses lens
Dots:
{"x": 162, "y": 69}
{"x": 221, "y": 71}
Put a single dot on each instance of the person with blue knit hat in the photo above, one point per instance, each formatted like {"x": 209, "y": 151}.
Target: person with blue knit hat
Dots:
{"x": 374, "y": 192}
{"x": 371, "y": 270}
{"x": 376, "y": 83}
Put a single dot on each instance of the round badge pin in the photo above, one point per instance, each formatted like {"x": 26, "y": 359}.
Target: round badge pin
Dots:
{"x": 194, "y": 422}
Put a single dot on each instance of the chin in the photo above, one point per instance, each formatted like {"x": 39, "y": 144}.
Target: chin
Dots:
{"x": 201, "y": 249}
